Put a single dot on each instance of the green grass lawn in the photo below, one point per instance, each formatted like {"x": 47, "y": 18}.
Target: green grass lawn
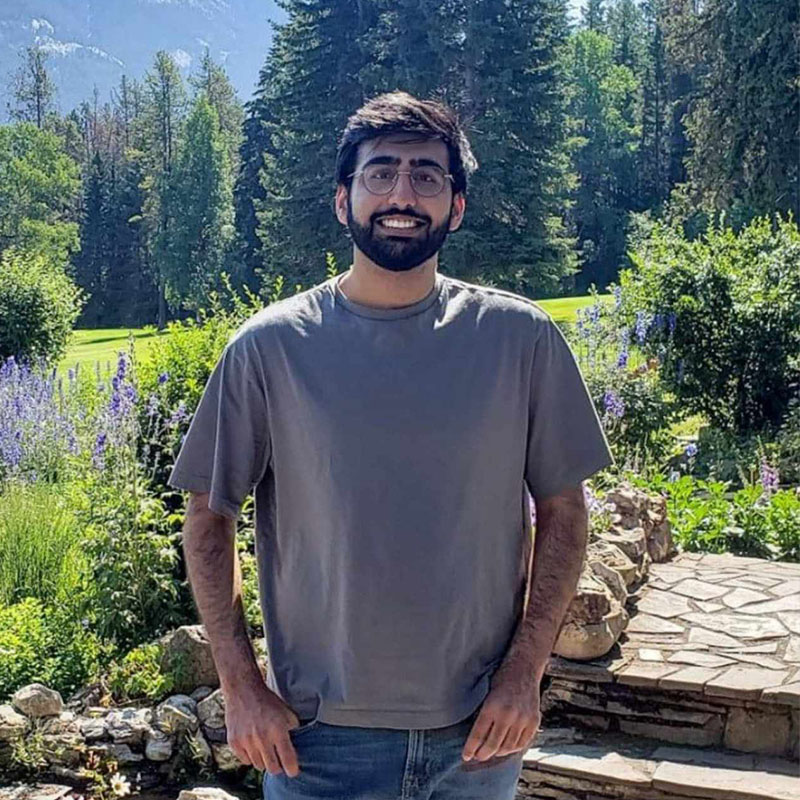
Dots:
{"x": 88, "y": 346}
{"x": 103, "y": 344}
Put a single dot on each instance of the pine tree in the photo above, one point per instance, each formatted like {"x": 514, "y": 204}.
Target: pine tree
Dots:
{"x": 743, "y": 121}
{"x": 310, "y": 86}
{"x": 196, "y": 242}
{"x": 92, "y": 262}
{"x": 32, "y": 88}
{"x": 162, "y": 119}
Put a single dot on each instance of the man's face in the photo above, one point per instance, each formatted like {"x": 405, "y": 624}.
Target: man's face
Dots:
{"x": 400, "y": 249}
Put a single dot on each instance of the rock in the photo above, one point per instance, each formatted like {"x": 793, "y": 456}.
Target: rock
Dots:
{"x": 199, "y": 747}
{"x": 36, "y": 700}
{"x": 754, "y": 730}
{"x": 225, "y": 758}
{"x": 159, "y": 746}
{"x": 611, "y": 578}
{"x": 211, "y": 710}
{"x": 186, "y": 653}
{"x": 64, "y": 750}
{"x": 93, "y": 728}
{"x": 121, "y": 753}
{"x": 635, "y": 508}
{"x": 129, "y": 725}
{"x": 177, "y": 713}
{"x": 613, "y": 557}
{"x": 593, "y": 622}
{"x": 201, "y": 692}
{"x": 205, "y": 793}
{"x": 13, "y": 725}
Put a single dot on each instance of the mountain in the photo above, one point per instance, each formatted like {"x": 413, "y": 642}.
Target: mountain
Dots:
{"x": 94, "y": 42}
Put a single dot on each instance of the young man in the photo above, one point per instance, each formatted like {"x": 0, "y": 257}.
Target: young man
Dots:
{"x": 392, "y": 421}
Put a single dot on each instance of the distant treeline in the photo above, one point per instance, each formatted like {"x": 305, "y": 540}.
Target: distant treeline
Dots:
{"x": 676, "y": 109}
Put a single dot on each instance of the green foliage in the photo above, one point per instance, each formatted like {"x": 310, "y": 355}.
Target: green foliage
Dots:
{"x": 40, "y": 545}
{"x": 193, "y": 247}
{"x": 734, "y": 354}
{"x": 641, "y": 436}
{"x": 135, "y": 593}
{"x": 47, "y": 644}
{"x": 39, "y": 183}
{"x": 138, "y": 675}
{"x": 705, "y": 516}
{"x": 603, "y": 144}
{"x": 39, "y": 304}
{"x": 184, "y": 360}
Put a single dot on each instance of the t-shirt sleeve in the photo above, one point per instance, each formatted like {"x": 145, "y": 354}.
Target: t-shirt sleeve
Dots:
{"x": 566, "y": 441}
{"x": 227, "y": 447}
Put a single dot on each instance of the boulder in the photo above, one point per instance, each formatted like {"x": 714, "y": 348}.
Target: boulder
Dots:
{"x": 186, "y": 653}
{"x": 211, "y": 710}
{"x": 13, "y": 725}
{"x": 176, "y": 713}
{"x": 36, "y": 700}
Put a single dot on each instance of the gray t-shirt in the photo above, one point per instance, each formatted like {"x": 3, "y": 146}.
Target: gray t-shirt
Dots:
{"x": 389, "y": 449}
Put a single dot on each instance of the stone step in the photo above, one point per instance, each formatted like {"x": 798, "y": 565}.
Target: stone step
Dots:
{"x": 616, "y": 767}
{"x": 635, "y": 701}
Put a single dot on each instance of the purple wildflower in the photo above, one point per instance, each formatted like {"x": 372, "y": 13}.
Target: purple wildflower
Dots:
{"x": 613, "y": 404}
{"x": 622, "y": 358}
{"x": 641, "y": 326}
{"x": 770, "y": 479}
{"x": 617, "y": 297}
{"x": 672, "y": 319}
{"x": 691, "y": 450}
{"x": 163, "y": 378}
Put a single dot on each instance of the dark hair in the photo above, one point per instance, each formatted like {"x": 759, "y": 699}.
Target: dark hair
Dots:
{"x": 400, "y": 112}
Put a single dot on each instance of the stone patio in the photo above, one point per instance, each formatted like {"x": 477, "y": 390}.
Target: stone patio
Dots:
{"x": 699, "y": 698}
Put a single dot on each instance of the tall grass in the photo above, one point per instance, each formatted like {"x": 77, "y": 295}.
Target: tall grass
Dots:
{"x": 40, "y": 553}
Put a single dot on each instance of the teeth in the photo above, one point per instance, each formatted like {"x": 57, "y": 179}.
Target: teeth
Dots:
{"x": 395, "y": 223}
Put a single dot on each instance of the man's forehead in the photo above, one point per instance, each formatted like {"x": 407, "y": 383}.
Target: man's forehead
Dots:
{"x": 404, "y": 146}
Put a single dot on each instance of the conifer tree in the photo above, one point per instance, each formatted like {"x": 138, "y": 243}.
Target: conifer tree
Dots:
{"x": 194, "y": 246}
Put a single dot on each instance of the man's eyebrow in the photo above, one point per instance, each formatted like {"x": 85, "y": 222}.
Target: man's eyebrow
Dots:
{"x": 415, "y": 162}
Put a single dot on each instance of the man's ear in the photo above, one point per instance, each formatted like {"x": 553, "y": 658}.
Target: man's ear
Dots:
{"x": 340, "y": 203}
{"x": 457, "y": 212}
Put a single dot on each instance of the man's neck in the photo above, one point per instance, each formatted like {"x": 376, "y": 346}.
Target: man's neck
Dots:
{"x": 381, "y": 288}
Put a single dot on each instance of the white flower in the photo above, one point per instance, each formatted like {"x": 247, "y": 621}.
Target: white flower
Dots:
{"x": 120, "y": 785}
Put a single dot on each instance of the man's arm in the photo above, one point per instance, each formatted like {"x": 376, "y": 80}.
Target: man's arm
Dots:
{"x": 562, "y": 524}
{"x": 510, "y": 715}
{"x": 215, "y": 578}
{"x": 256, "y": 718}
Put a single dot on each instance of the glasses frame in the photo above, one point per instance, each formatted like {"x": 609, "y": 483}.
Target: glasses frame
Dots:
{"x": 398, "y": 173}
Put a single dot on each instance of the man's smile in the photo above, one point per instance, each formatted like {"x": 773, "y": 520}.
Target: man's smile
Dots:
{"x": 397, "y": 223}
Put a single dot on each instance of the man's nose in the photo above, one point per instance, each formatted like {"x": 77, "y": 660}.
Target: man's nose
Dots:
{"x": 403, "y": 193}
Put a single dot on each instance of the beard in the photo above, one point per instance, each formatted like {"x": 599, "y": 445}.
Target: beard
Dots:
{"x": 396, "y": 253}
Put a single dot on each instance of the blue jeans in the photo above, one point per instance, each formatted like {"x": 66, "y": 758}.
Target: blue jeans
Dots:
{"x": 353, "y": 763}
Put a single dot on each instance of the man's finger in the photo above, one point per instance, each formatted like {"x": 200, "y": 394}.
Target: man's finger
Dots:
{"x": 480, "y": 729}
{"x": 287, "y": 755}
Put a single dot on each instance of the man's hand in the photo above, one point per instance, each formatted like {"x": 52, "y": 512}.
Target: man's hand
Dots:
{"x": 258, "y": 724}
{"x": 509, "y": 717}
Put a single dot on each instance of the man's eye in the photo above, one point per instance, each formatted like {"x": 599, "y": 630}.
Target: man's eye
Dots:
{"x": 383, "y": 173}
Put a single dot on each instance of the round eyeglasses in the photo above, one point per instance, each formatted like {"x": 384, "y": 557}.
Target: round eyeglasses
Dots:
{"x": 426, "y": 181}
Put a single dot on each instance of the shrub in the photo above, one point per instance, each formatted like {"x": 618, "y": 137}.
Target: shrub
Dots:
{"x": 39, "y": 304}
{"x": 634, "y": 407}
{"x": 722, "y": 313}
{"x": 753, "y": 521}
{"x": 49, "y": 645}
{"x": 139, "y": 675}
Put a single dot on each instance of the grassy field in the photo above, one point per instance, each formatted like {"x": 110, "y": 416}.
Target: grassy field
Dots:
{"x": 102, "y": 344}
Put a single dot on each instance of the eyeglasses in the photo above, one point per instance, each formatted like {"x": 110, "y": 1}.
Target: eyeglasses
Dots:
{"x": 382, "y": 178}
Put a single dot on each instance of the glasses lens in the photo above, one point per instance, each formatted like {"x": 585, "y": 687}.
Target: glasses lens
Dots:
{"x": 379, "y": 178}
{"x": 427, "y": 181}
